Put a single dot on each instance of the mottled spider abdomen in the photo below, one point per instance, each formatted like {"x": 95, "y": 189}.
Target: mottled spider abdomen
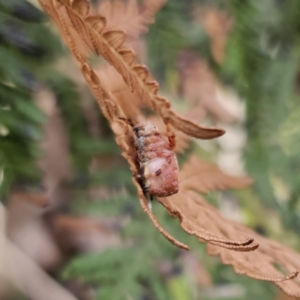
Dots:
{"x": 157, "y": 162}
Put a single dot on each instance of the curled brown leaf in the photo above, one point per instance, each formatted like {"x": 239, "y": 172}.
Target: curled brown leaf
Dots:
{"x": 109, "y": 45}
{"x": 111, "y": 110}
{"x": 199, "y": 218}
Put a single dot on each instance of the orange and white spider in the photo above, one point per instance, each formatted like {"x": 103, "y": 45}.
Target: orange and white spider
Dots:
{"x": 158, "y": 167}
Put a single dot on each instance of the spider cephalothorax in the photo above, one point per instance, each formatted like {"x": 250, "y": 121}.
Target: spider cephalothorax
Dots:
{"x": 158, "y": 167}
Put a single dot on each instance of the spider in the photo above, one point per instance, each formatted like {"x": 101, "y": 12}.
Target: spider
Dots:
{"x": 158, "y": 167}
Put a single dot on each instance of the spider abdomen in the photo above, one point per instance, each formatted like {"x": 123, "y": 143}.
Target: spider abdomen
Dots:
{"x": 157, "y": 162}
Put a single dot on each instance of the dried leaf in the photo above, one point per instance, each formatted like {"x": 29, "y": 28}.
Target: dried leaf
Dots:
{"x": 80, "y": 6}
{"x": 115, "y": 38}
{"x": 212, "y": 178}
{"x": 217, "y": 25}
{"x": 108, "y": 45}
{"x": 202, "y": 177}
{"x": 141, "y": 71}
{"x": 114, "y": 114}
{"x": 199, "y": 218}
{"x": 200, "y": 87}
{"x": 97, "y": 22}
{"x": 183, "y": 124}
{"x": 122, "y": 129}
{"x": 130, "y": 102}
{"x": 129, "y": 16}
{"x": 128, "y": 56}
{"x": 152, "y": 87}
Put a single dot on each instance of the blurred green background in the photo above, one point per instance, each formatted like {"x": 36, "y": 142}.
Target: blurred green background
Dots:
{"x": 54, "y": 140}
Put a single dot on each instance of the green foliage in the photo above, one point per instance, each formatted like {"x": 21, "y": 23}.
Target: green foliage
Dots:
{"x": 20, "y": 124}
{"x": 173, "y": 31}
{"x": 263, "y": 65}
{"x": 82, "y": 146}
{"x": 26, "y": 50}
{"x": 137, "y": 264}
{"x": 23, "y": 47}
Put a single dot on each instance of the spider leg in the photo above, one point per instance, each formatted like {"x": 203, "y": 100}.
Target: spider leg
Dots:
{"x": 150, "y": 205}
{"x": 126, "y": 120}
{"x": 171, "y": 136}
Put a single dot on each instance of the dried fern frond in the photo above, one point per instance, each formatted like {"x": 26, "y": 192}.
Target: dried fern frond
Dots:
{"x": 109, "y": 106}
{"x": 109, "y": 44}
{"x": 199, "y": 218}
{"x": 129, "y": 16}
{"x": 129, "y": 101}
{"x": 203, "y": 177}
{"x": 217, "y": 25}
{"x": 212, "y": 178}
{"x": 199, "y": 86}
{"x": 124, "y": 138}
{"x": 261, "y": 263}
{"x": 107, "y": 102}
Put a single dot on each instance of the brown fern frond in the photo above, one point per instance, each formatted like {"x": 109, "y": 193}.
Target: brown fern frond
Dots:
{"x": 129, "y": 16}
{"x": 109, "y": 106}
{"x": 203, "y": 177}
{"x": 259, "y": 264}
{"x": 212, "y": 178}
{"x": 109, "y": 45}
{"x": 129, "y": 101}
{"x": 124, "y": 139}
{"x": 131, "y": 104}
{"x": 199, "y": 218}
{"x": 106, "y": 100}
{"x": 217, "y": 25}
{"x": 150, "y": 8}
{"x": 199, "y": 86}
